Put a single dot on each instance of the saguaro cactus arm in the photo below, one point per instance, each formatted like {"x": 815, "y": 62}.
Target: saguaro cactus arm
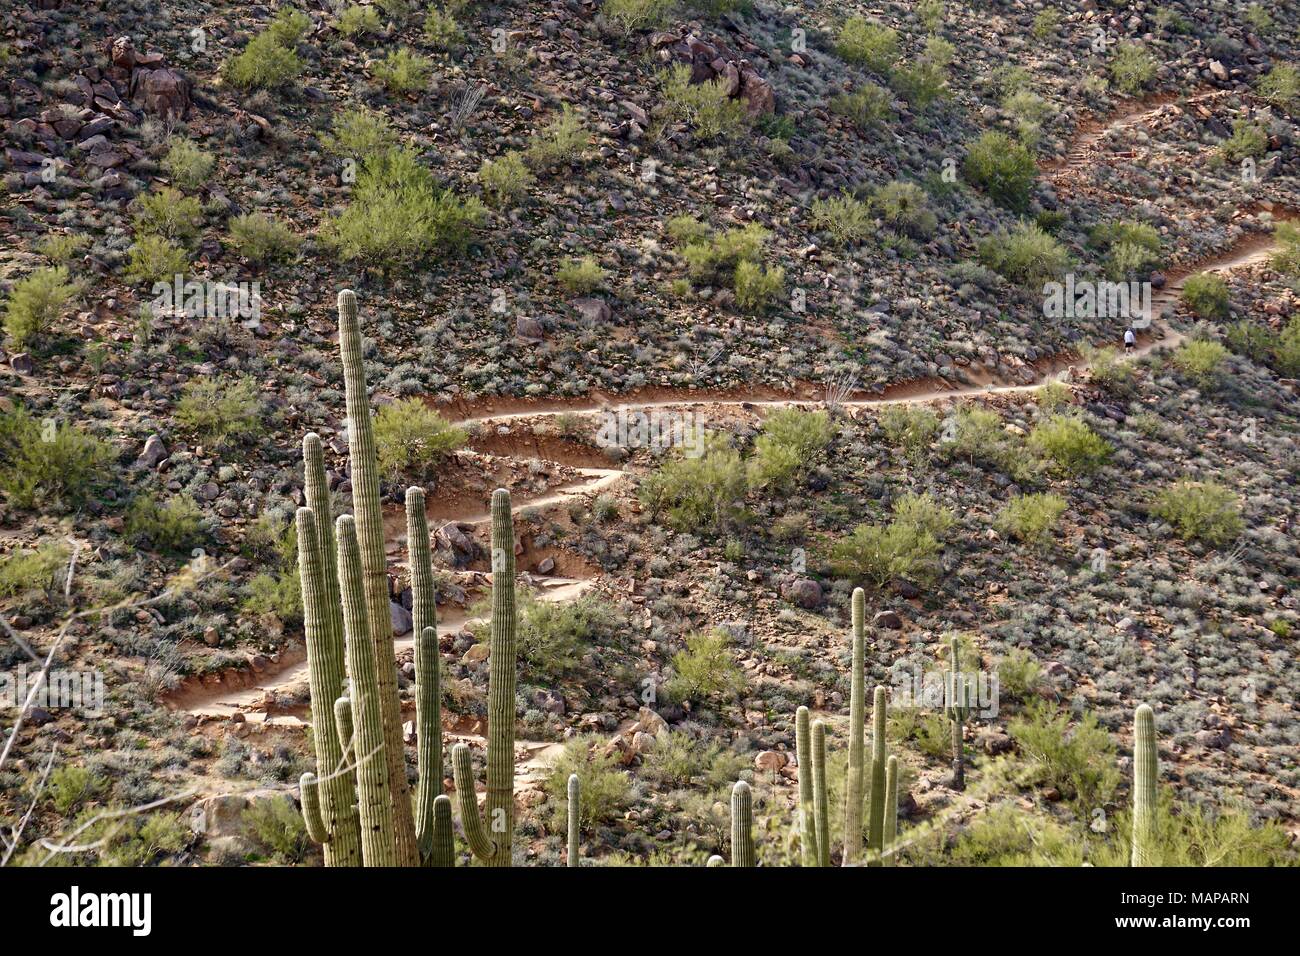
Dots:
{"x": 471, "y": 822}
{"x": 311, "y": 815}
{"x": 857, "y": 717}
{"x": 575, "y": 819}
{"x": 742, "y": 825}
{"x": 443, "y": 851}
{"x": 1146, "y": 771}
{"x": 807, "y": 814}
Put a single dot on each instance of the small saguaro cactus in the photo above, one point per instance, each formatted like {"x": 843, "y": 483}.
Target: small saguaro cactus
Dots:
{"x": 876, "y": 829}
{"x": 428, "y": 664}
{"x": 857, "y": 706}
{"x": 494, "y": 847}
{"x": 1146, "y": 770}
{"x": 575, "y": 818}
{"x": 891, "y": 810}
{"x": 958, "y": 710}
{"x": 807, "y": 815}
{"x": 742, "y": 825}
{"x": 821, "y": 796}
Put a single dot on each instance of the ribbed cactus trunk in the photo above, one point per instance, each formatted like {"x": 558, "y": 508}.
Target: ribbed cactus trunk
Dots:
{"x": 369, "y": 742}
{"x": 338, "y": 828}
{"x": 957, "y": 713}
{"x": 428, "y": 684}
{"x": 443, "y": 850}
{"x": 876, "y": 804}
{"x": 742, "y": 825}
{"x": 492, "y": 843}
{"x": 575, "y": 819}
{"x": 374, "y": 567}
{"x": 1146, "y": 770}
{"x": 821, "y": 797}
{"x": 807, "y": 813}
{"x": 857, "y": 718}
{"x": 891, "y": 810}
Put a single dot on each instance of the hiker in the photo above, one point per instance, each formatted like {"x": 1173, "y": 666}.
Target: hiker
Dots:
{"x": 1130, "y": 339}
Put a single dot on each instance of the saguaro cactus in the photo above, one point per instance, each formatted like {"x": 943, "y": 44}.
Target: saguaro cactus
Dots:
{"x": 428, "y": 687}
{"x": 857, "y": 705}
{"x": 369, "y": 742}
{"x": 494, "y": 848}
{"x": 742, "y": 825}
{"x": 1146, "y": 770}
{"x": 335, "y": 824}
{"x": 442, "y": 852}
{"x": 958, "y": 711}
{"x": 891, "y": 810}
{"x": 374, "y": 568}
{"x": 575, "y": 818}
{"x": 876, "y": 830}
{"x": 807, "y": 815}
{"x": 821, "y": 798}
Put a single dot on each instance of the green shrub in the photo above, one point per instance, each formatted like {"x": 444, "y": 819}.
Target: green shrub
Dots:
{"x": 1260, "y": 20}
{"x": 155, "y": 259}
{"x": 1026, "y": 255}
{"x": 169, "y": 214}
{"x": 1006, "y": 835}
{"x": 170, "y": 526}
{"x": 119, "y": 837}
{"x": 634, "y": 15}
{"x": 1073, "y": 446}
{"x": 1131, "y": 67}
{"x": 925, "y": 80}
{"x": 930, "y": 13}
{"x": 905, "y": 208}
{"x": 710, "y": 259}
{"x": 1078, "y": 762}
{"x": 705, "y": 106}
{"x": 266, "y": 63}
{"x": 869, "y": 105}
{"x": 1046, "y": 23}
{"x": 22, "y": 571}
{"x": 907, "y": 547}
{"x": 561, "y": 142}
{"x": 441, "y": 30}
{"x": 403, "y": 71}
{"x": 1286, "y": 349}
{"x": 70, "y": 786}
{"x": 706, "y": 671}
{"x": 699, "y": 494}
{"x": 847, "y": 220}
{"x": 1281, "y": 86}
{"x": 220, "y": 410}
{"x": 911, "y": 428}
{"x": 277, "y": 594}
{"x": 678, "y": 760}
{"x": 1131, "y": 247}
{"x": 360, "y": 133}
{"x": 686, "y": 229}
{"x": 552, "y": 637}
{"x": 1030, "y": 518}
{"x": 1202, "y": 511}
{"x": 412, "y": 439}
{"x": 48, "y": 465}
{"x": 59, "y": 248}
{"x": 1053, "y": 395}
{"x": 1206, "y": 294}
{"x": 288, "y": 27}
{"x": 1001, "y": 167}
{"x": 1286, "y": 259}
{"x": 188, "y": 166}
{"x": 789, "y": 442}
{"x": 357, "y": 19}
{"x": 1201, "y": 360}
{"x": 1108, "y": 369}
{"x": 580, "y": 276}
{"x": 399, "y": 215}
{"x": 277, "y": 826}
{"x": 757, "y": 287}
{"x": 1185, "y": 834}
{"x": 604, "y": 787}
{"x": 36, "y": 301}
{"x": 505, "y": 179}
{"x": 1019, "y": 673}
{"x": 867, "y": 44}
{"x": 259, "y": 238}
{"x": 1248, "y": 139}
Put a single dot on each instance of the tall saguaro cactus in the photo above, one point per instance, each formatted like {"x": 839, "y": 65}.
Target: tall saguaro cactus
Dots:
{"x": 876, "y": 828}
{"x": 821, "y": 797}
{"x": 958, "y": 711}
{"x": 1146, "y": 770}
{"x": 575, "y": 819}
{"x": 807, "y": 815}
{"x": 428, "y": 664}
{"x": 493, "y": 847}
{"x": 374, "y": 569}
{"x": 742, "y": 825}
{"x": 335, "y": 820}
{"x": 891, "y": 810}
{"x": 857, "y": 706}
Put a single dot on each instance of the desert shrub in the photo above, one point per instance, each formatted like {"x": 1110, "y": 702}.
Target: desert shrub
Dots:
{"x": 505, "y": 179}
{"x": 1247, "y": 139}
{"x": 580, "y": 276}
{"x": 49, "y": 465}
{"x": 867, "y": 106}
{"x": 1260, "y": 20}
{"x": 1027, "y": 107}
{"x": 1206, "y": 294}
{"x": 170, "y": 526}
{"x": 278, "y": 827}
{"x": 1131, "y": 247}
{"x": 155, "y": 259}
{"x": 686, "y": 229}
{"x": 60, "y": 248}
{"x": 277, "y": 594}
{"x": 118, "y": 837}
{"x": 705, "y": 106}
{"x": 1071, "y": 444}
{"x": 930, "y": 13}
{"x": 847, "y": 220}
{"x": 1053, "y": 395}
{"x": 911, "y": 428}
{"x": 37, "y": 300}
{"x": 905, "y": 208}
{"x": 1286, "y": 259}
{"x": 220, "y": 410}
{"x": 22, "y": 571}
{"x": 70, "y": 786}
{"x": 634, "y": 15}
{"x": 403, "y": 71}
{"x": 604, "y": 787}
{"x": 1202, "y": 511}
{"x": 356, "y": 20}
{"x": 188, "y": 166}
{"x": 399, "y": 215}
{"x": 553, "y": 637}
{"x": 169, "y": 214}
{"x": 1006, "y": 835}
{"x": 1185, "y": 834}
{"x": 705, "y": 671}
{"x": 789, "y": 442}
{"x": 1030, "y": 518}
{"x": 679, "y": 760}
{"x": 411, "y": 439}
{"x": 699, "y": 494}
{"x": 1046, "y": 23}
{"x": 757, "y": 287}
{"x": 1026, "y": 255}
{"x": 1286, "y": 349}
{"x": 1131, "y": 67}
{"x": 1108, "y": 369}
{"x": 907, "y": 547}
{"x": 1001, "y": 167}
{"x": 288, "y": 26}
{"x": 710, "y": 259}
{"x": 259, "y": 238}
{"x": 867, "y": 44}
{"x": 359, "y": 133}
{"x": 1281, "y": 86}
{"x": 1078, "y": 762}
{"x": 1251, "y": 340}
{"x": 267, "y": 62}
{"x": 1019, "y": 673}
{"x": 925, "y": 80}
{"x": 441, "y": 30}
{"x": 1201, "y": 360}
{"x": 561, "y": 142}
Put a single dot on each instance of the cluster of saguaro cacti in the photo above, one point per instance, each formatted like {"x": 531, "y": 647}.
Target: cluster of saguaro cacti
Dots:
{"x": 359, "y": 806}
{"x": 1146, "y": 770}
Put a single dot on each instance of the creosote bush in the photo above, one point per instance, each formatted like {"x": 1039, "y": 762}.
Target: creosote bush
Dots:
{"x": 37, "y": 300}
{"x": 1026, "y": 255}
{"x": 705, "y": 671}
{"x": 169, "y": 526}
{"x": 505, "y": 179}
{"x": 403, "y": 71}
{"x": 1001, "y": 167}
{"x": 604, "y": 786}
{"x": 186, "y": 165}
{"x": 1201, "y": 361}
{"x": 1201, "y": 511}
{"x": 1131, "y": 67}
{"x": 220, "y": 410}
{"x": 1073, "y": 447}
{"x": 155, "y": 259}
{"x": 559, "y": 143}
{"x": 906, "y": 547}
{"x": 412, "y": 439}
{"x": 868, "y": 44}
{"x": 1206, "y": 294}
{"x": 36, "y": 570}
{"x": 49, "y": 464}
{"x": 259, "y": 238}
{"x": 269, "y": 60}
{"x": 705, "y": 106}
{"x": 1031, "y": 518}
{"x": 580, "y": 276}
